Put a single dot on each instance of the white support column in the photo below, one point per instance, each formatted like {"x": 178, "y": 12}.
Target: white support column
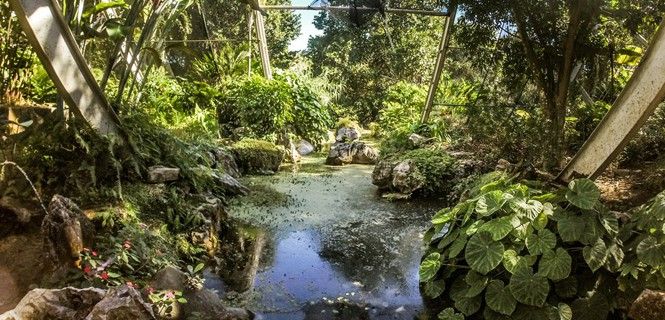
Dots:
{"x": 57, "y": 50}
{"x": 440, "y": 62}
{"x": 638, "y": 100}
{"x": 263, "y": 44}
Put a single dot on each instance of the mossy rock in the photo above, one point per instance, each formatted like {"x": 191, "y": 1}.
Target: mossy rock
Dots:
{"x": 425, "y": 172}
{"x": 258, "y": 156}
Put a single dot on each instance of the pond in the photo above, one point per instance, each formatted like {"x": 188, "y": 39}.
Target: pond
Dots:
{"x": 328, "y": 246}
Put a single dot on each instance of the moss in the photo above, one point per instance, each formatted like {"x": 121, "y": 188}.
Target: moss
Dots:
{"x": 439, "y": 171}
{"x": 263, "y": 195}
{"x": 257, "y": 156}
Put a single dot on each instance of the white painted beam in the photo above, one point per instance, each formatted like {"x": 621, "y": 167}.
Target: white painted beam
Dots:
{"x": 643, "y": 93}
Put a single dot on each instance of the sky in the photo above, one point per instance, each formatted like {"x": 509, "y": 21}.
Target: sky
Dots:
{"x": 308, "y": 29}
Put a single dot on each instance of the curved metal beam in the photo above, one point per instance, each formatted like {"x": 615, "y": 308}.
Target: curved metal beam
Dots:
{"x": 52, "y": 40}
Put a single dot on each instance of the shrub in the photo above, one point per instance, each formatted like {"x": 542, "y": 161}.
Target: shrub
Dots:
{"x": 403, "y": 106}
{"x": 512, "y": 251}
{"x": 266, "y": 108}
{"x": 257, "y": 156}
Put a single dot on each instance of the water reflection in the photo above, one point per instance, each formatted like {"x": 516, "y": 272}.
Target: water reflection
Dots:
{"x": 336, "y": 251}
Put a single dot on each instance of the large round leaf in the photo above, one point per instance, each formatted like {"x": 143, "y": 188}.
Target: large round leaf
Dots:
{"x": 482, "y": 253}
{"x": 511, "y": 260}
{"x": 543, "y": 241}
{"x": 499, "y": 228}
{"x": 490, "y": 203}
{"x": 434, "y": 289}
{"x": 429, "y": 267}
{"x": 457, "y": 246}
{"x": 476, "y": 282}
{"x": 444, "y": 216}
{"x": 555, "y": 265}
{"x": 583, "y": 193}
{"x": 526, "y": 208}
{"x": 561, "y": 312}
{"x": 469, "y": 306}
{"x": 528, "y": 288}
{"x": 596, "y": 255}
{"x": 651, "y": 251}
{"x": 571, "y": 228}
{"x": 499, "y": 298}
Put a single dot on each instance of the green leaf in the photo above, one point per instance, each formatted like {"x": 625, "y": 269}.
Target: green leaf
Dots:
{"x": 499, "y": 228}
{"x": 429, "y": 267}
{"x": 450, "y": 314}
{"x": 476, "y": 282}
{"x": 473, "y": 228}
{"x": 526, "y": 208}
{"x": 482, "y": 253}
{"x": 596, "y": 255}
{"x": 583, "y": 194}
{"x": 651, "y": 251}
{"x": 528, "y": 288}
{"x": 571, "y": 228}
{"x": 561, "y": 312}
{"x": 555, "y": 265}
{"x": 102, "y": 6}
{"x": 566, "y": 288}
{"x": 499, "y": 298}
{"x": 469, "y": 306}
{"x": 490, "y": 203}
{"x": 543, "y": 241}
{"x": 511, "y": 260}
{"x": 595, "y": 307}
{"x": 457, "y": 246}
{"x": 444, "y": 216}
{"x": 489, "y": 314}
{"x": 433, "y": 289}
{"x": 615, "y": 256}
{"x": 448, "y": 239}
{"x": 610, "y": 222}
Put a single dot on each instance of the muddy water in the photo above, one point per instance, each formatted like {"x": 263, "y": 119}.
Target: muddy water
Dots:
{"x": 333, "y": 250}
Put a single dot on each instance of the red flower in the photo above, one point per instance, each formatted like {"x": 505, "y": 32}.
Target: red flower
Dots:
{"x": 150, "y": 289}
{"x": 94, "y": 253}
{"x": 127, "y": 244}
{"x": 131, "y": 284}
{"x": 104, "y": 275}
{"x": 169, "y": 295}
{"x": 87, "y": 269}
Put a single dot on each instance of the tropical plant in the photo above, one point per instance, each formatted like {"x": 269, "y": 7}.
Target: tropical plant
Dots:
{"x": 514, "y": 251}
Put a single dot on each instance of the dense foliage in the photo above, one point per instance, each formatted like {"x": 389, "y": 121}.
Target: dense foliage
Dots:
{"x": 263, "y": 108}
{"x": 514, "y": 250}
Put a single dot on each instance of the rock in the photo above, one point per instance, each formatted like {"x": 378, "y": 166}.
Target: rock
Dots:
{"x": 230, "y": 185}
{"x": 339, "y": 154}
{"x": 650, "y": 305}
{"x": 14, "y": 217}
{"x": 225, "y": 160}
{"x": 304, "y": 147}
{"x": 407, "y": 178}
{"x": 161, "y": 174}
{"x": 66, "y": 231}
{"x": 201, "y": 303}
{"x": 418, "y": 140}
{"x": 169, "y": 278}
{"x": 363, "y": 153}
{"x": 382, "y": 176}
{"x": 347, "y": 134}
{"x": 121, "y": 303}
{"x": 65, "y": 303}
{"x": 357, "y": 152}
{"x": 257, "y": 156}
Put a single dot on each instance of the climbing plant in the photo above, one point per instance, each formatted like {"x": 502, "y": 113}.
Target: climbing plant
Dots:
{"x": 514, "y": 251}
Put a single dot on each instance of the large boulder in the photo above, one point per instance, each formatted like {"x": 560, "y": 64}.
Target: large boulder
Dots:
{"x": 425, "y": 172}
{"x": 120, "y": 303}
{"x": 66, "y": 231}
{"x": 65, "y": 303}
{"x": 650, "y": 305}
{"x": 357, "y": 152}
{"x": 258, "y": 156}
